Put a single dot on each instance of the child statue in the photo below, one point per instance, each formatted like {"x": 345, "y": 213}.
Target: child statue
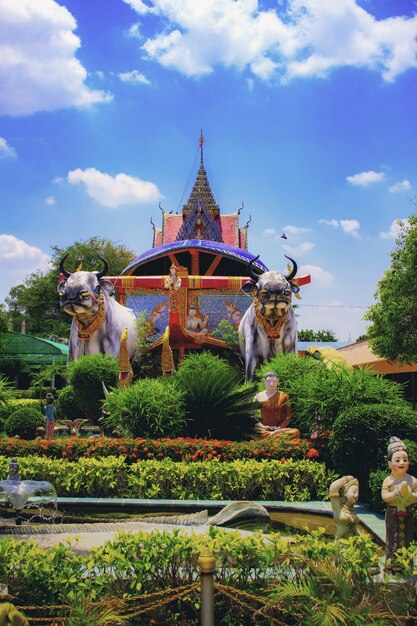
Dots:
{"x": 50, "y": 414}
{"x": 344, "y": 494}
{"x": 399, "y": 491}
{"x": 275, "y": 410}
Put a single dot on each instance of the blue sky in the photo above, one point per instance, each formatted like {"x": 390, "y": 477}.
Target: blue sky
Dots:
{"x": 307, "y": 108}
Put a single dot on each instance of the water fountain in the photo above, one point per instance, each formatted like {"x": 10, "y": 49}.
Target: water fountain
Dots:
{"x": 25, "y": 500}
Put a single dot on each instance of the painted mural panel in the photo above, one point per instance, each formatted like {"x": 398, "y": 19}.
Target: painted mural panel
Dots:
{"x": 156, "y": 308}
{"x": 217, "y": 307}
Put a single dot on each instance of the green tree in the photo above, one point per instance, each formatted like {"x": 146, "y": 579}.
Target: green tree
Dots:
{"x": 36, "y": 300}
{"x": 319, "y": 335}
{"x": 3, "y": 318}
{"x": 393, "y": 330}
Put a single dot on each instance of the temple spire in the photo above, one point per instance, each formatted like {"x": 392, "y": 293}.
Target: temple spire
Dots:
{"x": 201, "y": 148}
{"x": 201, "y": 210}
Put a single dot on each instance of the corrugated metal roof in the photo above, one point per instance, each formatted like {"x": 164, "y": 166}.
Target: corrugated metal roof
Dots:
{"x": 303, "y": 345}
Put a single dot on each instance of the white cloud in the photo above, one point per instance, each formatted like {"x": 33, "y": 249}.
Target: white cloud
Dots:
{"x": 331, "y": 222}
{"x": 301, "y": 249}
{"x": 319, "y": 276}
{"x": 298, "y": 38}
{"x": 363, "y": 179}
{"x": 114, "y": 191}
{"x": 38, "y": 67}
{"x": 269, "y": 232}
{"x": 140, "y": 7}
{"x": 295, "y": 230}
{"x": 6, "y": 151}
{"x": 134, "y": 77}
{"x": 17, "y": 260}
{"x": 50, "y": 200}
{"x": 403, "y": 185}
{"x": 395, "y": 228}
{"x": 350, "y": 227}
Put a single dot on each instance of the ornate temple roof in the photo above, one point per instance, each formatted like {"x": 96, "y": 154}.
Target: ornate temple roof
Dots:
{"x": 229, "y": 252}
{"x": 201, "y": 218}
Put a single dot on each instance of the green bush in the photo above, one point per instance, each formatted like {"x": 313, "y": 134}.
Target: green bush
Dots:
{"x": 6, "y": 393}
{"x": 135, "y": 565}
{"x": 148, "y": 408}
{"x": 67, "y": 405}
{"x": 87, "y": 376}
{"x": 212, "y": 480}
{"x": 217, "y": 404}
{"x": 24, "y": 422}
{"x": 316, "y": 391}
{"x": 6, "y": 409}
{"x": 361, "y": 434}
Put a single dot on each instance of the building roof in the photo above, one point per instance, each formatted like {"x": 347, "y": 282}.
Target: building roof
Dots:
{"x": 360, "y": 353}
{"x": 194, "y": 244}
{"x": 32, "y": 350}
{"x": 303, "y": 345}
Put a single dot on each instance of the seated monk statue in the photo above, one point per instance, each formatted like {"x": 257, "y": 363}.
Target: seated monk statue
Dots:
{"x": 275, "y": 410}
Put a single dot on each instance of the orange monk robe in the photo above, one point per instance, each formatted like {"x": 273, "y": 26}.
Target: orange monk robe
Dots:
{"x": 276, "y": 413}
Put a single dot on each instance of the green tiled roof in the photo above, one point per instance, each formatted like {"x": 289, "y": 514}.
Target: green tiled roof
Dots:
{"x": 32, "y": 350}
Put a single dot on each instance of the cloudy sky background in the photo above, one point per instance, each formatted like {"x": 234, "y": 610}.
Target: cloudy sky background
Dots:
{"x": 307, "y": 107}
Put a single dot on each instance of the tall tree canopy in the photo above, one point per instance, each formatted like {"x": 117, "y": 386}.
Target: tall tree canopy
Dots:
{"x": 393, "y": 330}
{"x": 317, "y": 335}
{"x": 36, "y": 300}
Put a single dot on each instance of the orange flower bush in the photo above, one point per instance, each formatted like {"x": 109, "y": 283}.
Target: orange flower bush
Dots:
{"x": 180, "y": 449}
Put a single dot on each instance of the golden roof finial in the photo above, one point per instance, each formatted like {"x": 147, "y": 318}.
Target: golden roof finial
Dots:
{"x": 201, "y": 146}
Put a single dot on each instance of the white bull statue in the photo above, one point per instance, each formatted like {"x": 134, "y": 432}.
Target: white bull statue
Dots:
{"x": 98, "y": 320}
{"x": 269, "y": 324}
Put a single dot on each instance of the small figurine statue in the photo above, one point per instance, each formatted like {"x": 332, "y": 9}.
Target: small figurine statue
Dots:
{"x": 172, "y": 281}
{"x": 14, "y": 470}
{"x": 344, "y": 494}
{"x": 399, "y": 491}
{"x": 74, "y": 426}
{"x": 275, "y": 410}
{"x": 50, "y": 415}
{"x": 197, "y": 323}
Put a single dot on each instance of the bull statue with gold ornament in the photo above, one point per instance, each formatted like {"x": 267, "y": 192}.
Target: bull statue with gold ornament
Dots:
{"x": 98, "y": 321}
{"x": 269, "y": 325}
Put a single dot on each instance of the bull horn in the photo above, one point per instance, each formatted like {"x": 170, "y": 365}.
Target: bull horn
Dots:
{"x": 62, "y": 268}
{"x": 105, "y": 269}
{"x": 251, "y": 273}
{"x": 294, "y": 268}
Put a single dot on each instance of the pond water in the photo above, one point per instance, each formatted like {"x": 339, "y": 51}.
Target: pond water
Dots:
{"x": 284, "y": 522}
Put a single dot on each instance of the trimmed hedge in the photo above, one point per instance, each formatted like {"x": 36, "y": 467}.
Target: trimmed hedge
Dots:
{"x": 24, "y": 422}
{"x": 237, "y": 480}
{"x": 181, "y": 449}
{"x": 361, "y": 434}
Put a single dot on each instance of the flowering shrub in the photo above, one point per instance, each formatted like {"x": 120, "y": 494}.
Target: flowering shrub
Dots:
{"x": 181, "y": 449}
{"x": 212, "y": 480}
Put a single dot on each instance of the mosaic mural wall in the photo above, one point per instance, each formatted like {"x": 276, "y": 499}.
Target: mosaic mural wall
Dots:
{"x": 219, "y": 307}
{"x": 156, "y": 307}
{"x": 213, "y": 306}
